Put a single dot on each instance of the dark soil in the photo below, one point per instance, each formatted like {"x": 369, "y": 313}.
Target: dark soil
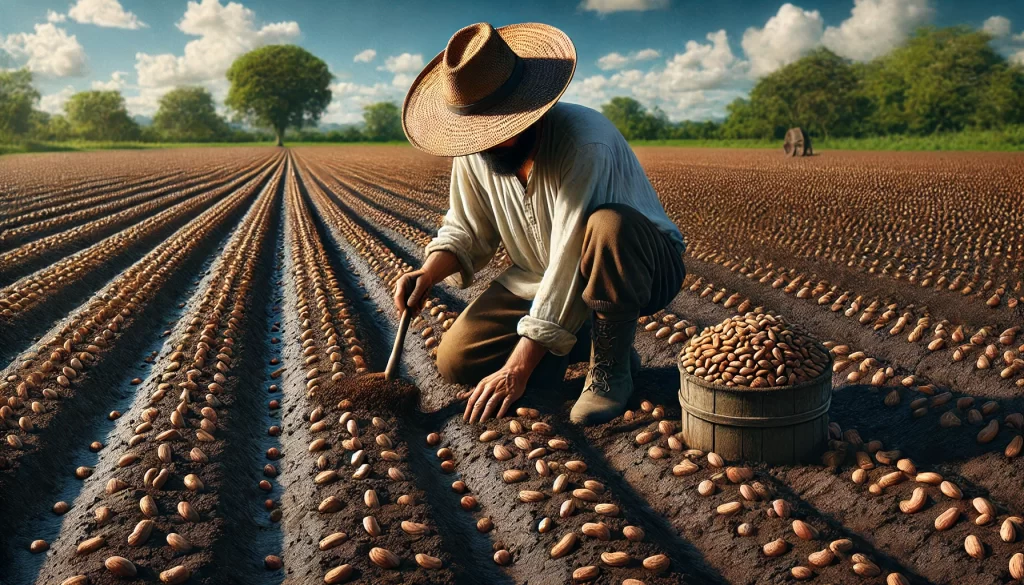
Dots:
{"x": 373, "y": 393}
{"x": 50, "y": 449}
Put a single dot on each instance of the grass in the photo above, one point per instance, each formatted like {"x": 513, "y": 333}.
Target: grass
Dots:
{"x": 1010, "y": 140}
{"x": 1006, "y": 141}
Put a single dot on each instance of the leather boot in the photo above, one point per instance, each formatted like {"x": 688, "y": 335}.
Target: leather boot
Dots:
{"x": 609, "y": 381}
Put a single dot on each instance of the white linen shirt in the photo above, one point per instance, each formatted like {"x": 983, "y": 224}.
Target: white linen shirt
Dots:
{"x": 582, "y": 162}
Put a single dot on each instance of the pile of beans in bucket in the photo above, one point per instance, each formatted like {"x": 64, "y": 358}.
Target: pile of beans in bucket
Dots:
{"x": 755, "y": 350}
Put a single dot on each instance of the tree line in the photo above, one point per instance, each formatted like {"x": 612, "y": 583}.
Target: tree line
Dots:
{"x": 940, "y": 80}
{"x": 273, "y": 88}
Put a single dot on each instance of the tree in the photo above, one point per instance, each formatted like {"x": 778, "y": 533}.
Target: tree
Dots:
{"x": 188, "y": 114}
{"x": 38, "y": 125}
{"x": 819, "y": 92}
{"x": 935, "y": 82}
{"x": 58, "y": 128}
{"x": 100, "y": 115}
{"x": 1002, "y": 101}
{"x": 633, "y": 119}
{"x": 383, "y": 122}
{"x": 17, "y": 95}
{"x": 278, "y": 86}
{"x": 742, "y": 122}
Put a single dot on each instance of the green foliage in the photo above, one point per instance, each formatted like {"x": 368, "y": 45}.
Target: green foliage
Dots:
{"x": 633, "y": 119}
{"x": 383, "y": 122}
{"x": 278, "y": 86}
{"x": 1002, "y": 100}
{"x": 741, "y": 122}
{"x": 936, "y": 82}
{"x": 17, "y": 96}
{"x": 819, "y": 93}
{"x": 188, "y": 114}
{"x": 689, "y": 130}
{"x": 100, "y": 115}
{"x": 58, "y": 128}
{"x": 345, "y": 134}
{"x": 941, "y": 80}
{"x": 1008, "y": 139}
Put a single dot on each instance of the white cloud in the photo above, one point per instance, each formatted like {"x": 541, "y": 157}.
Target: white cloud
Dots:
{"x": 609, "y": 6}
{"x": 403, "y": 80}
{"x": 997, "y": 26}
{"x": 876, "y": 26}
{"x": 404, "y": 63}
{"x": 54, "y": 103}
{"x": 405, "y": 67}
{"x": 145, "y": 103}
{"x": 116, "y": 82}
{"x": 694, "y": 84}
{"x": 54, "y": 16}
{"x": 49, "y": 51}
{"x": 786, "y": 37}
{"x": 365, "y": 56}
{"x": 618, "y": 60}
{"x": 106, "y": 13}
{"x": 612, "y": 61}
{"x": 703, "y": 66}
{"x": 348, "y": 99}
{"x": 225, "y": 32}
{"x": 646, "y": 54}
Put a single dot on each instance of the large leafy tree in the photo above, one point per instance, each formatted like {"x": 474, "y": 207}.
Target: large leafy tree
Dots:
{"x": 100, "y": 115}
{"x": 17, "y": 95}
{"x": 383, "y": 122}
{"x": 819, "y": 93}
{"x": 188, "y": 114}
{"x": 1002, "y": 101}
{"x": 279, "y": 86}
{"x": 935, "y": 82}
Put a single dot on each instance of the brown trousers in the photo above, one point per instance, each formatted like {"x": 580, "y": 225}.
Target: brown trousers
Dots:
{"x": 630, "y": 268}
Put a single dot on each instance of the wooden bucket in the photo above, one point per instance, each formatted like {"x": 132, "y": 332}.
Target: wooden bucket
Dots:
{"x": 783, "y": 425}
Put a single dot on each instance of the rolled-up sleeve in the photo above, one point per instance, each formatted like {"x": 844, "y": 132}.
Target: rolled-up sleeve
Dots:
{"x": 468, "y": 229}
{"x": 558, "y": 310}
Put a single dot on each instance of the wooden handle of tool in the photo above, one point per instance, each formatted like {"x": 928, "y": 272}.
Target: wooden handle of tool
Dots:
{"x": 396, "y": 351}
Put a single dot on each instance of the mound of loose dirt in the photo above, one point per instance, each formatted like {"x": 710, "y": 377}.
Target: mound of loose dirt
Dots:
{"x": 372, "y": 392}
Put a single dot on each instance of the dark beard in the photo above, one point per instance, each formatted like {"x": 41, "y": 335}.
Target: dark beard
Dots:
{"x": 507, "y": 160}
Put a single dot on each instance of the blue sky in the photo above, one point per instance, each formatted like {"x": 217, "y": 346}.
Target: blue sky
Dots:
{"x": 689, "y": 57}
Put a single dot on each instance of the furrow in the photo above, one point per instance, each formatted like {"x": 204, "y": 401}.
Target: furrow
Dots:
{"x": 44, "y": 386}
{"x": 32, "y": 301}
{"x": 31, "y": 255}
{"x": 174, "y": 453}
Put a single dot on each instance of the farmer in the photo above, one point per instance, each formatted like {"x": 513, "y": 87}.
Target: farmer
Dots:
{"x": 560, "y": 188}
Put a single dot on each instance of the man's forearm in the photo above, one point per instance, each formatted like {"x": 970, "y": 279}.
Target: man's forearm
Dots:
{"x": 526, "y": 355}
{"x": 440, "y": 264}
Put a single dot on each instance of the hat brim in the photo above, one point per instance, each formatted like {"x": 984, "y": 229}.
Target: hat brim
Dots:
{"x": 549, "y": 61}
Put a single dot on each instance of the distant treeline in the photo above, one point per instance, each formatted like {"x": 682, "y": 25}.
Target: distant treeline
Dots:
{"x": 940, "y": 80}
{"x": 185, "y": 114}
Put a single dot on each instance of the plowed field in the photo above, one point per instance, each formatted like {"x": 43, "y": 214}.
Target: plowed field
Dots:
{"x": 180, "y": 330}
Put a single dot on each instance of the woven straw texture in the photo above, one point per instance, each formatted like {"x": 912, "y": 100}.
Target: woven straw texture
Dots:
{"x": 549, "y": 61}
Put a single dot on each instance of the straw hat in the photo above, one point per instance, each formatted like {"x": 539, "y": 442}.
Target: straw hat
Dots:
{"x": 487, "y": 86}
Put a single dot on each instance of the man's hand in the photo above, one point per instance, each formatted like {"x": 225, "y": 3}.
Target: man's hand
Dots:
{"x": 411, "y": 291}
{"x": 413, "y": 287}
{"x": 496, "y": 392}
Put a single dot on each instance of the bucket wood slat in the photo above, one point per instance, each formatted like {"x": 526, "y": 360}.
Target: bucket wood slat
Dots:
{"x": 781, "y": 425}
